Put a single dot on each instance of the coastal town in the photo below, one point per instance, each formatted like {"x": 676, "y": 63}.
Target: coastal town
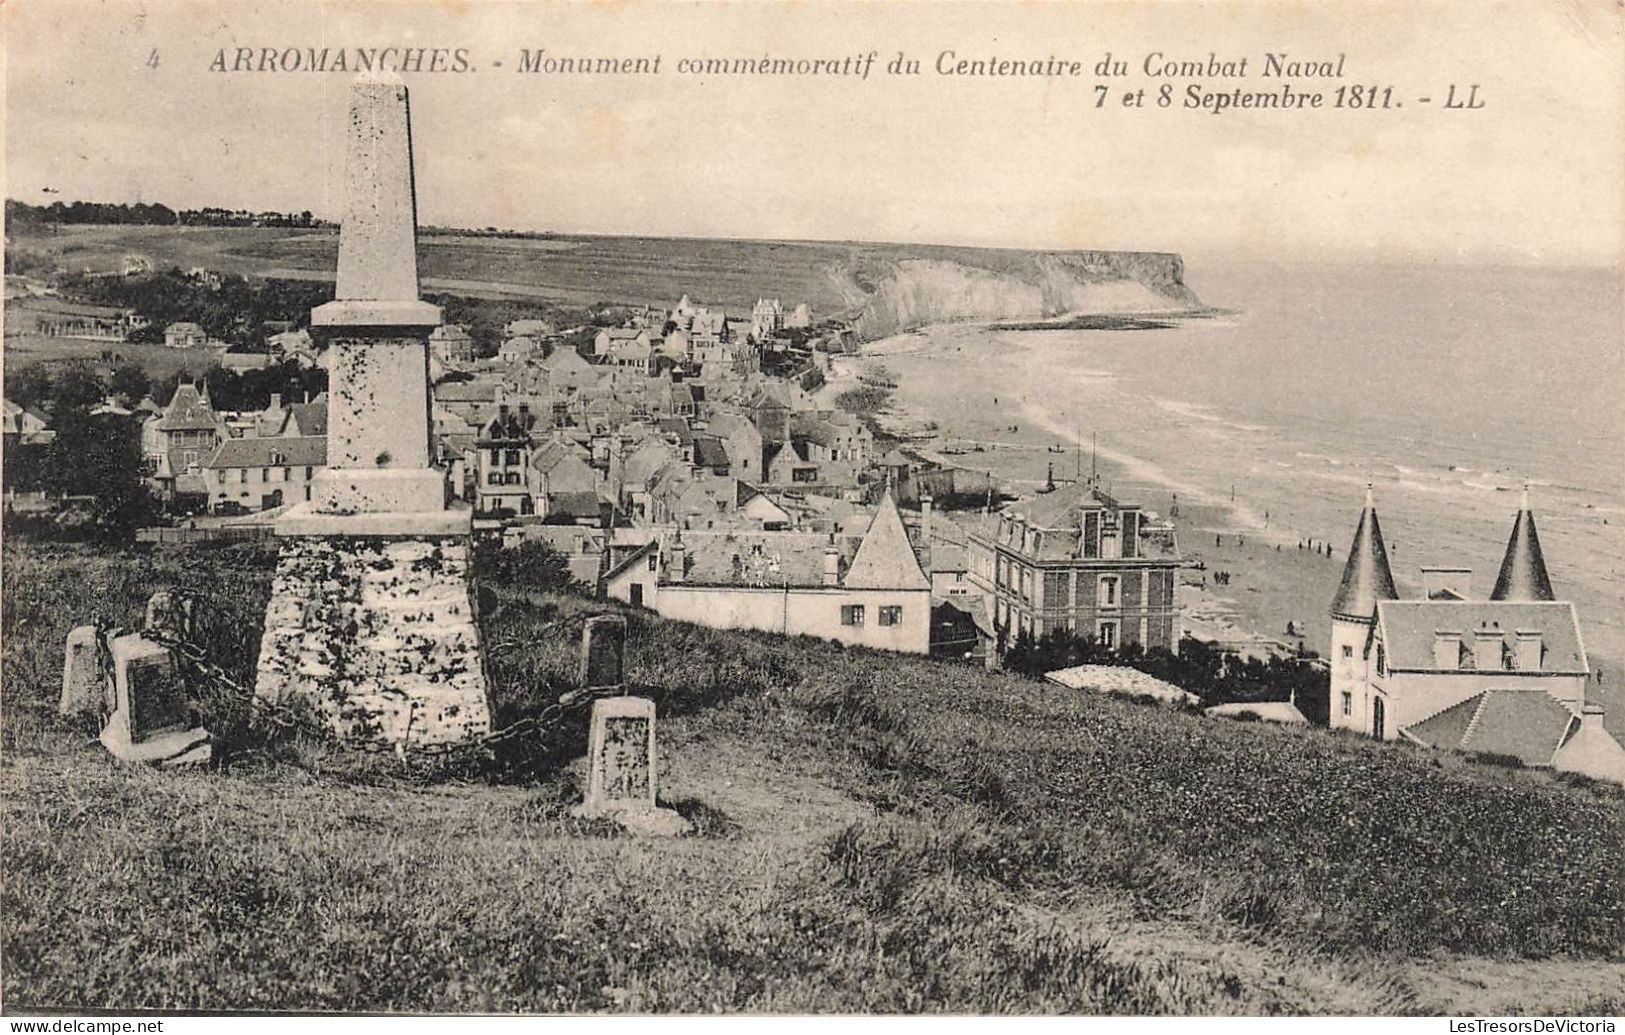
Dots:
{"x": 742, "y": 471}
{"x": 500, "y": 539}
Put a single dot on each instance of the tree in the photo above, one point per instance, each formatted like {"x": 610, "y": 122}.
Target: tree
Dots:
{"x": 29, "y": 385}
{"x": 100, "y": 456}
{"x": 130, "y": 381}
{"x": 78, "y": 387}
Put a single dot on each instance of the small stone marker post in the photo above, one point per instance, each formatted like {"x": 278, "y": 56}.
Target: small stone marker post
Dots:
{"x": 83, "y": 690}
{"x": 603, "y": 653}
{"x": 152, "y": 717}
{"x": 621, "y": 768}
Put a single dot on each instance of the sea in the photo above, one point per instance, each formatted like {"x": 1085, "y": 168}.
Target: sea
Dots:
{"x": 1446, "y": 388}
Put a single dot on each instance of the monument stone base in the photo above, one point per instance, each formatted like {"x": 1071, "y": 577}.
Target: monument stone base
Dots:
{"x": 375, "y": 627}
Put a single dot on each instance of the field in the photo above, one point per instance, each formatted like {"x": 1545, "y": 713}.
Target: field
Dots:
{"x": 835, "y": 278}
{"x": 873, "y": 833}
{"x": 23, "y": 350}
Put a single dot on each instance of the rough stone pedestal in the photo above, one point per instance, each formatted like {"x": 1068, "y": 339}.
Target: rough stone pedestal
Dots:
{"x": 378, "y": 634}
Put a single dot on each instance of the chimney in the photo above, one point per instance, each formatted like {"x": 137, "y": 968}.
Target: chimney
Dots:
{"x": 1591, "y": 717}
{"x": 276, "y": 400}
{"x": 676, "y": 560}
{"x": 832, "y": 564}
{"x": 925, "y": 531}
{"x": 1446, "y": 649}
{"x": 1527, "y": 652}
{"x": 1487, "y": 645}
{"x": 1440, "y": 583}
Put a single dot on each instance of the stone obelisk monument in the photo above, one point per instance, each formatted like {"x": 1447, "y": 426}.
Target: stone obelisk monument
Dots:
{"x": 371, "y": 617}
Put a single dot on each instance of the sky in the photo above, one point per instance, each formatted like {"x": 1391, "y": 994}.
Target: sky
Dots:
{"x": 115, "y": 101}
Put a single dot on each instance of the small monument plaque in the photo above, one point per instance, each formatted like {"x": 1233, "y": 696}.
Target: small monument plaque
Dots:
{"x": 621, "y": 768}
{"x": 152, "y": 716}
{"x": 603, "y": 653}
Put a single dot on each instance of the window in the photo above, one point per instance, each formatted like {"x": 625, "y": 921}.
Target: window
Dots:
{"x": 653, "y": 562}
{"x": 310, "y": 472}
{"x": 851, "y": 614}
{"x": 1348, "y": 700}
{"x": 1382, "y": 661}
{"x": 512, "y": 457}
{"x": 513, "y": 478}
{"x": 242, "y": 475}
{"x": 891, "y": 616}
{"x": 1106, "y": 635}
{"x": 1348, "y": 652}
{"x": 265, "y": 474}
{"x": 494, "y": 478}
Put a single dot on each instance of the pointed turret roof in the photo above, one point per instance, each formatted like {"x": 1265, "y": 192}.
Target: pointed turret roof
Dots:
{"x": 1523, "y": 569}
{"x": 885, "y": 559}
{"x": 1366, "y": 578}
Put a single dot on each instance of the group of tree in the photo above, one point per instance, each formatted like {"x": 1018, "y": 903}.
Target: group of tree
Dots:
{"x": 236, "y": 311}
{"x": 20, "y": 213}
{"x": 93, "y": 458}
{"x": 1216, "y": 676}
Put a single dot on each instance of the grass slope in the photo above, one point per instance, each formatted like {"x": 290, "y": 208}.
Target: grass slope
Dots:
{"x": 874, "y": 834}
{"x": 834, "y": 277}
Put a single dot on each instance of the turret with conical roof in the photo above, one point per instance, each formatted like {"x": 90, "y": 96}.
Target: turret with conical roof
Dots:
{"x": 1523, "y": 569}
{"x": 1366, "y": 577}
{"x": 1366, "y": 581}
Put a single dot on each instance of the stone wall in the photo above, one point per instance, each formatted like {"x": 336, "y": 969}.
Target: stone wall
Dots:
{"x": 379, "y": 634}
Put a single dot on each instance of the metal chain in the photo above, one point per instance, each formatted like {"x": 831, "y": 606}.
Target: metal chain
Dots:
{"x": 192, "y": 655}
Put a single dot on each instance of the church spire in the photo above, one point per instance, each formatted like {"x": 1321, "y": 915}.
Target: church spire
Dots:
{"x": 1523, "y": 570}
{"x": 1366, "y": 578}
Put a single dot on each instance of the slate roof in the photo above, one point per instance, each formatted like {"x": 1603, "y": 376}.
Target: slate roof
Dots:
{"x": 1529, "y": 725}
{"x": 572, "y": 505}
{"x": 764, "y": 559}
{"x": 565, "y": 359}
{"x": 1366, "y": 576}
{"x": 189, "y": 410}
{"x": 1523, "y": 569}
{"x": 709, "y": 452}
{"x": 1408, "y": 628}
{"x": 309, "y": 418}
{"x": 549, "y": 455}
{"x": 886, "y": 560}
{"x": 477, "y": 390}
{"x": 1592, "y": 751}
{"x": 294, "y": 450}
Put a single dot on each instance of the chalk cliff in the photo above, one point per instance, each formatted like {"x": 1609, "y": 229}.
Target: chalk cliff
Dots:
{"x": 974, "y": 284}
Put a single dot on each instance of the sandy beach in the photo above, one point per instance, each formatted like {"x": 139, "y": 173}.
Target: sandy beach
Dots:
{"x": 943, "y": 378}
{"x": 991, "y": 394}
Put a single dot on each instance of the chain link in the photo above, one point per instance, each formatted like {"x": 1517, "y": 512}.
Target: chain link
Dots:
{"x": 193, "y": 656}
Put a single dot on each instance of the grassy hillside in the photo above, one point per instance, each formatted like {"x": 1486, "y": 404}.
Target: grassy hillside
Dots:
{"x": 837, "y": 279}
{"x": 873, "y": 833}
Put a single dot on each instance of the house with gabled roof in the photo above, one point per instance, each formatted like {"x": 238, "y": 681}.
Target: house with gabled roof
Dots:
{"x": 177, "y": 442}
{"x": 867, "y": 591}
{"x": 520, "y": 350}
{"x": 1502, "y": 675}
{"x": 264, "y": 473}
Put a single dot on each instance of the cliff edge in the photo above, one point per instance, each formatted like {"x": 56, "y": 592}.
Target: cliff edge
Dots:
{"x": 898, "y": 294}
